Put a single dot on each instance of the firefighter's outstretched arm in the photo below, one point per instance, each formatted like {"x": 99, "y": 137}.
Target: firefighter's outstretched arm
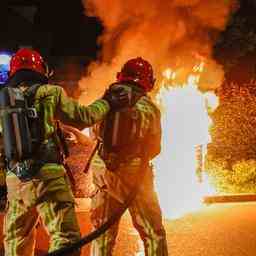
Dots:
{"x": 85, "y": 115}
{"x": 114, "y": 98}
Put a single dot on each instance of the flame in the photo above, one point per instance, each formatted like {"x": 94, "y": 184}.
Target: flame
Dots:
{"x": 212, "y": 101}
{"x": 169, "y": 74}
{"x": 185, "y": 124}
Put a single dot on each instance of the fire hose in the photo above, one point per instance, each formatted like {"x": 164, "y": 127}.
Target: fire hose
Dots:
{"x": 111, "y": 221}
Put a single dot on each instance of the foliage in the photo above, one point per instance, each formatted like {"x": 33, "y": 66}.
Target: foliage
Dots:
{"x": 241, "y": 178}
{"x": 231, "y": 160}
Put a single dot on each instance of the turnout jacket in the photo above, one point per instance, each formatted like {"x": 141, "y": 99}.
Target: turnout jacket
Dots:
{"x": 55, "y": 104}
{"x": 118, "y": 183}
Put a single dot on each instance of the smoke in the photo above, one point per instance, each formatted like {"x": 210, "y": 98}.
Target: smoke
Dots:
{"x": 175, "y": 34}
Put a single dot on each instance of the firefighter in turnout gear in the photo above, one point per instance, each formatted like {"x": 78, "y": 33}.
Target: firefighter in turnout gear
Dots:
{"x": 37, "y": 182}
{"x": 128, "y": 140}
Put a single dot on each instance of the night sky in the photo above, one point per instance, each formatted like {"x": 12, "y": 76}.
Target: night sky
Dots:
{"x": 63, "y": 34}
{"x": 55, "y": 29}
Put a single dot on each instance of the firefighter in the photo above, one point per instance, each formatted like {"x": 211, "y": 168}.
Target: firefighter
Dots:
{"x": 128, "y": 140}
{"x": 45, "y": 191}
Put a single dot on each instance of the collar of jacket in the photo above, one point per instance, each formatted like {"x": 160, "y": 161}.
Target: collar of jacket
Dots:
{"x": 28, "y": 77}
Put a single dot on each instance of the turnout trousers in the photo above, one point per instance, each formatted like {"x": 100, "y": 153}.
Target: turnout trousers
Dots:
{"x": 47, "y": 196}
{"x": 112, "y": 189}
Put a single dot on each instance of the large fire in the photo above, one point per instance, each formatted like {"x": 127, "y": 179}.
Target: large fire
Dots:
{"x": 185, "y": 125}
{"x": 176, "y": 34}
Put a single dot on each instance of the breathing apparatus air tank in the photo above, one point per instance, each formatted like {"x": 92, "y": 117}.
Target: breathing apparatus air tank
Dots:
{"x": 15, "y": 124}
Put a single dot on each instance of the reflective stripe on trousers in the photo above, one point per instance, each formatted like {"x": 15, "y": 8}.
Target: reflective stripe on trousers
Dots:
{"x": 20, "y": 226}
{"x": 146, "y": 218}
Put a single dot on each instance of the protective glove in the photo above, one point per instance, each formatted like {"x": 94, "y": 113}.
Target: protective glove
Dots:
{"x": 118, "y": 97}
{"x": 122, "y": 96}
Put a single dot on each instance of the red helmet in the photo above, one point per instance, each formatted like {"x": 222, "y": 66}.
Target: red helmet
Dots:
{"x": 27, "y": 59}
{"x": 139, "y": 71}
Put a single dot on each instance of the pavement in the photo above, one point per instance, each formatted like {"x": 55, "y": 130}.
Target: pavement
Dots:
{"x": 215, "y": 230}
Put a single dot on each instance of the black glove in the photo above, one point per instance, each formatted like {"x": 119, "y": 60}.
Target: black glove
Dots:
{"x": 119, "y": 96}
